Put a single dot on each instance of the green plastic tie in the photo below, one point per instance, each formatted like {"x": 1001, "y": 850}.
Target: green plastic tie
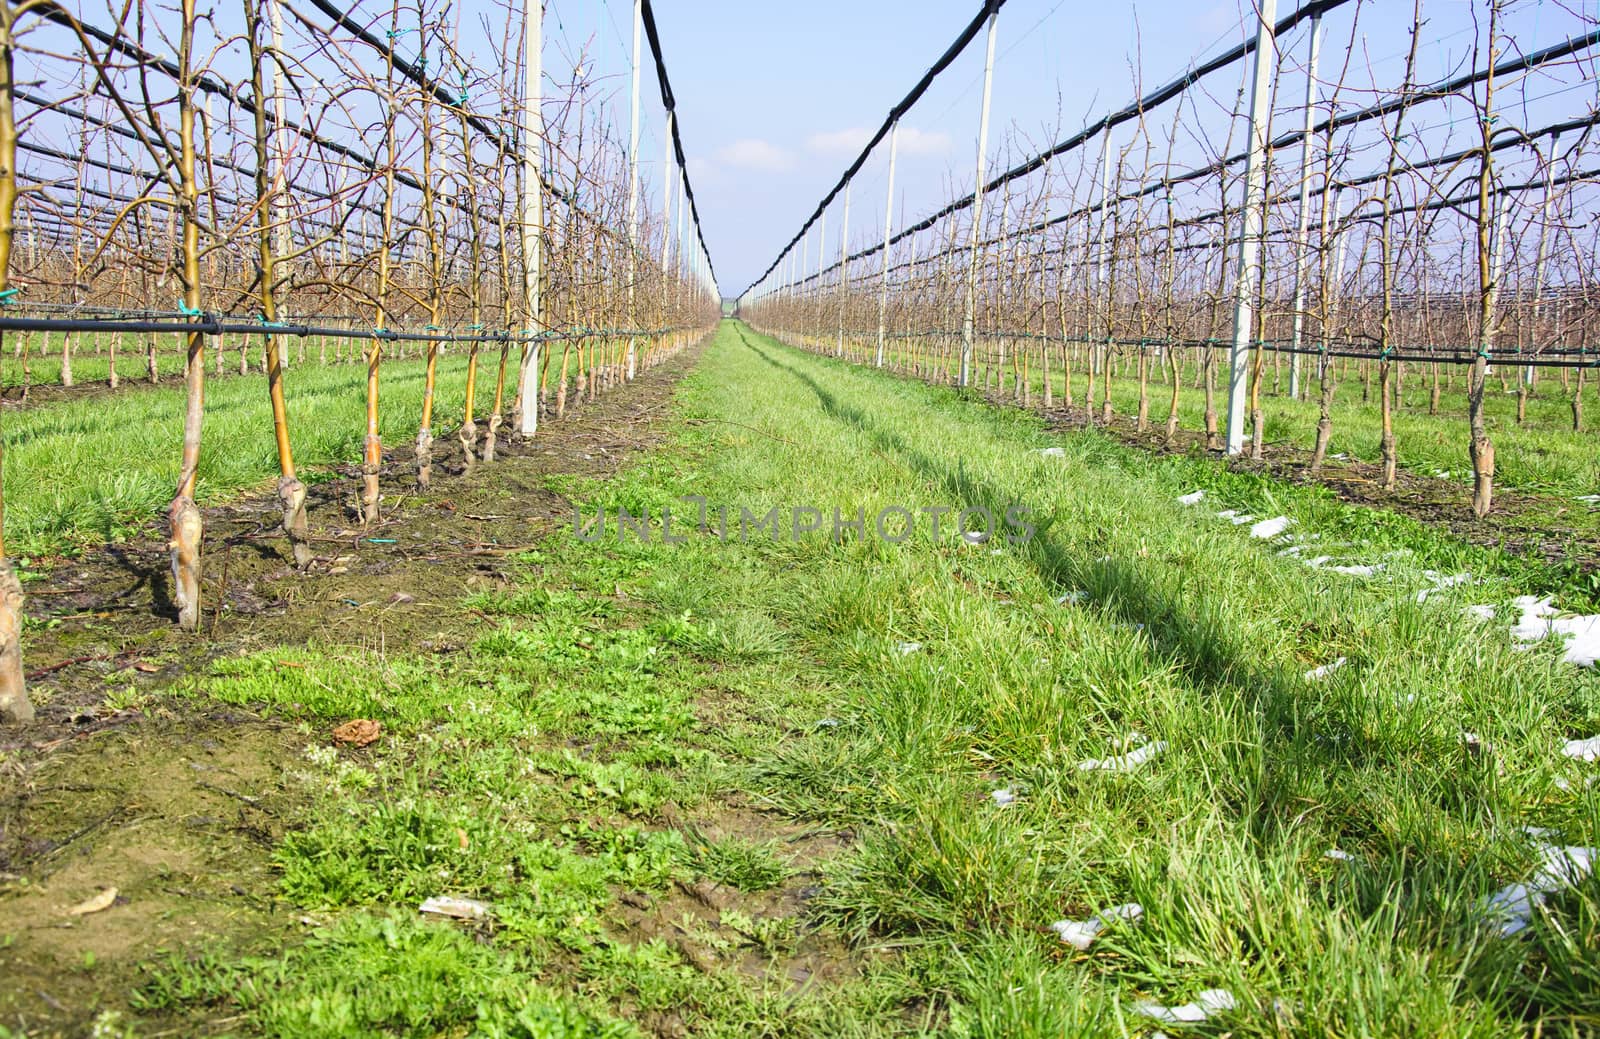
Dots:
{"x": 5, "y": 296}
{"x": 184, "y": 309}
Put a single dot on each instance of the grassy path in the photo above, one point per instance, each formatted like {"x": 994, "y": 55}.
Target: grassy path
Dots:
{"x": 732, "y": 787}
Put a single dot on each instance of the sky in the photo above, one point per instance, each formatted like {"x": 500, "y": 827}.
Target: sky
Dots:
{"x": 775, "y": 99}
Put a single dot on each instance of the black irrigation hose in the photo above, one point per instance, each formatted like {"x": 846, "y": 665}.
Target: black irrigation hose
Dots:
{"x": 1436, "y": 91}
{"x": 968, "y": 34}
{"x": 670, "y": 103}
{"x": 1581, "y": 357}
{"x": 1133, "y": 111}
{"x": 216, "y": 324}
{"x": 417, "y": 74}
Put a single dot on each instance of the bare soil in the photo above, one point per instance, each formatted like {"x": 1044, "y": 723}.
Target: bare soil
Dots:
{"x": 178, "y": 805}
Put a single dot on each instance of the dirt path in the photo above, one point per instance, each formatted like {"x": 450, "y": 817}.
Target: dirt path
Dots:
{"x": 177, "y": 804}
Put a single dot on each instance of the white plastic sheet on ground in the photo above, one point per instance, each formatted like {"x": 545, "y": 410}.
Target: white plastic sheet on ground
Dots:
{"x": 1051, "y": 452}
{"x": 1192, "y": 498}
{"x": 455, "y": 908}
{"x": 1211, "y": 1001}
{"x": 1080, "y": 934}
{"x": 905, "y": 649}
{"x": 1583, "y": 750}
{"x": 1325, "y": 670}
{"x": 1358, "y": 569}
{"x": 1004, "y": 796}
{"x": 1127, "y": 761}
{"x": 1438, "y": 582}
{"x": 1270, "y": 528}
{"x": 1540, "y": 620}
{"x": 1511, "y": 908}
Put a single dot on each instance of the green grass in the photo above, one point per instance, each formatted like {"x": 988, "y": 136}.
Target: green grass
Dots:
{"x": 92, "y": 470}
{"x": 548, "y": 770}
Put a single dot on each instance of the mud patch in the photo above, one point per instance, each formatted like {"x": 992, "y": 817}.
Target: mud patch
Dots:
{"x": 179, "y": 814}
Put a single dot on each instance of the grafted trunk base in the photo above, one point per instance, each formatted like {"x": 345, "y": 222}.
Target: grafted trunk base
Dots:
{"x": 292, "y": 498}
{"x": 15, "y": 708}
{"x": 185, "y": 527}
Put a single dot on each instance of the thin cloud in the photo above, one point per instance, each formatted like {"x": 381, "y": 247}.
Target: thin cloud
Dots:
{"x": 912, "y": 141}
{"x": 752, "y": 153}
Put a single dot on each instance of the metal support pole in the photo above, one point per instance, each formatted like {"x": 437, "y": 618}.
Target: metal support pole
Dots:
{"x": 970, "y": 308}
{"x": 1541, "y": 255}
{"x": 280, "y": 187}
{"x": 669, "y": 171}
{"x": 1098, "y": 356}
{"x": 532, "y": 205}
{"x": 888, "y": 231}
{"x": 844, "y": 273}
{"x": 1303, "y": 221}
{"x": 633, "y": 194}
{"x": 1251, "y": 225}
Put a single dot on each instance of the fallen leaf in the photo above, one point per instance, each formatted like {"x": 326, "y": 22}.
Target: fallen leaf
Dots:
{"x": 94, "y": 904}
{"x": 461, "y": 835}
{"x": 357, "y": 733}
{"x": 146, "y": 667}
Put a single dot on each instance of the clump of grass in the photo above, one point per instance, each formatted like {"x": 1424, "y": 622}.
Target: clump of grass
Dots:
{"x": 737, "y": 862}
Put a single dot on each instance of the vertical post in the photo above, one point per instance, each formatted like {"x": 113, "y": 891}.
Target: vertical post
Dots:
{"x": 844, "y": 274}
{"x": 970, "y": 308}
{"x": 633, "y": 192}
{"x": 1098, "y": 357}
{"x": 1303, "y": 220}
{"x": 677, "y": 235}
{"x": 1541, "y": 255}
{"x": 805, "y": 261}
{"x": 822, "y": 249}
{"x": 888, "y": 231}
{"x": 280, "y": 193}
{"x": 15, "y": 708}
{"x": 1250, "y": 233}
{"x": 533, "y": 207}
{"x": 669, "y": 169}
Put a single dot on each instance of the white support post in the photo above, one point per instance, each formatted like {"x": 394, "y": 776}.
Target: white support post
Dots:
{"x": 1099, "y": 356}
{"x": 532, "y": 205}
{"x": 633, "y": 195}
{"x": 1252, "y": 223}
{"x": 844, "y": 273}
{"x": 888, "y": 232}
{"x": 1541, "y": 255}
{"x": 970, "y": 308}
{"x": 1303, "y": 220}
{"x": 280, "y": 185}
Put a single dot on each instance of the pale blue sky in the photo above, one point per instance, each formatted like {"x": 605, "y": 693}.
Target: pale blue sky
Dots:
{"x": 776, "y": 98}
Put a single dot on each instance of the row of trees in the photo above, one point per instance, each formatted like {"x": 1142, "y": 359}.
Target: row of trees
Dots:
{"x": 1442, "y": 224}
{"x": 363, "y": 180}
